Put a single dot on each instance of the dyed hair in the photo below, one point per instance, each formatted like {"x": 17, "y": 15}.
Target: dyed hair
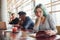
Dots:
{"x": 43, "y": 9}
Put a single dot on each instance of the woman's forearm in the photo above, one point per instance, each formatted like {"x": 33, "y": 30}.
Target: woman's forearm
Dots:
{"x": 51, "y": 32}
{"x": 37, "y": 23}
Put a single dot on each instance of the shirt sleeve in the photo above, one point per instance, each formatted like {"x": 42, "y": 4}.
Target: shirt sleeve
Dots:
{"x": 52, "y": 22}
{"x": 28, "y": 24}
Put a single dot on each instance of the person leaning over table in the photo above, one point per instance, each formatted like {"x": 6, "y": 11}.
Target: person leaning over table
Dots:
{"x": 27, "y": 22}
{"x": 44, "y": 22}
{"x": 24, "y": 22}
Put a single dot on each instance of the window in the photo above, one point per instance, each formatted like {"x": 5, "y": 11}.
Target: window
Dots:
{"x": 57, "y": 18}
{"x": 27, "y": 6}
{"x": 56, "y": 11}
{"x": 53, "y": 7}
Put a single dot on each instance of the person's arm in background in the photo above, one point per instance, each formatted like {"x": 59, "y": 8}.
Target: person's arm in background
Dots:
{"x": 31, "y": 25}
{"x": 28, "y": 23}
{"x": 52, "y": 26}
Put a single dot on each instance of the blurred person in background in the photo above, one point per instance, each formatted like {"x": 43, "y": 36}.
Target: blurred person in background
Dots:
{"x": 23, "y": 21}
{"x": 26, "y": 21}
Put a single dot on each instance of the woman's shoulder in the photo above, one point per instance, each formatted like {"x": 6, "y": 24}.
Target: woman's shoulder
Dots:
{"x": 49, "y": 16}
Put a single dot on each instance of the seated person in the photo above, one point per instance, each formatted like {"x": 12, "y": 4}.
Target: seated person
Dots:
{"x": 44, "y": 25}
{"x": 27, "y": 23}
{"x": 24, "y": 21}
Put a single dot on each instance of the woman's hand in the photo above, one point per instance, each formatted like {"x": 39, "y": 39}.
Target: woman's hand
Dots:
{"x": 50, "y": 32}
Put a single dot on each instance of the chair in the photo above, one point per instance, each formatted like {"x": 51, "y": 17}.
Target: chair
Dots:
{"x": 3, "y": 26}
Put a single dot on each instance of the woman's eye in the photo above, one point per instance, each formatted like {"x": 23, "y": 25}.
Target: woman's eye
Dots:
{"x": 36, "y": 12}
{"x": 40, "y": 11}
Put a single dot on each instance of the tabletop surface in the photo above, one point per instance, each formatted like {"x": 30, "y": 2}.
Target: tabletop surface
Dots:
{"x": 22, "y": 35}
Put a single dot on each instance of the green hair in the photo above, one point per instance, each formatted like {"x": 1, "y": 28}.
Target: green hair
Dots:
{"x": 43, "y": 8}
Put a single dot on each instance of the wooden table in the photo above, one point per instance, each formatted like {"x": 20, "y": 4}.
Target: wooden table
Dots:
{"x": 21, "y": 35}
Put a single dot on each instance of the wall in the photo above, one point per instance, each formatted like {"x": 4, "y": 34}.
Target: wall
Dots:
{"x": 0, "y": 10}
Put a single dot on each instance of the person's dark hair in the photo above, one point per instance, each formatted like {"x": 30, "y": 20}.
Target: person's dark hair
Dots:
{"x": 44, "y": 10}
{"x": 12, "y": 14}
{"x": 22, "y": 13}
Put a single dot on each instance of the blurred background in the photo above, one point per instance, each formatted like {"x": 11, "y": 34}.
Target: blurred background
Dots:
{"x": 7, "y": 7}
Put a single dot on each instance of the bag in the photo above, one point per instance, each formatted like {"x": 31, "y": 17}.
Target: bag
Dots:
{"x": 41, "y": 34}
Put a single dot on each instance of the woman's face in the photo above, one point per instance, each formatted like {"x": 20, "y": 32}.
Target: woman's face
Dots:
{"x": 39, "y": 12}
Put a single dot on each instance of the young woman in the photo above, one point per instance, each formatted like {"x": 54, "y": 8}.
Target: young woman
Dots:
{"x": 44, "y": 22}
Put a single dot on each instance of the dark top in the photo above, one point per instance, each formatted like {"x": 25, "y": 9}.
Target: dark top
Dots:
{"x": 15, "y": 21}
{"x": 27, "y": 24}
